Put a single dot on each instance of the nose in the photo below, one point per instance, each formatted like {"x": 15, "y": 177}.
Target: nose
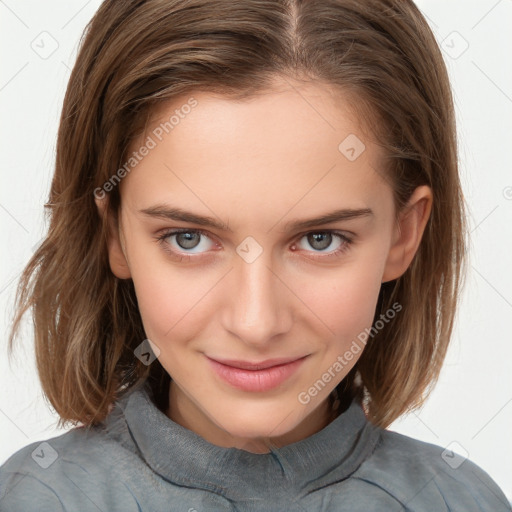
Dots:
{"x": 258, "y": 305}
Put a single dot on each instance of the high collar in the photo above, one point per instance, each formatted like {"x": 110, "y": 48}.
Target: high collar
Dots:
{"x": 184, "y": 458}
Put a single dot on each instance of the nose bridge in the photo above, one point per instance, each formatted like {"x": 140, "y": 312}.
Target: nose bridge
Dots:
{"x": 256, "y": 306}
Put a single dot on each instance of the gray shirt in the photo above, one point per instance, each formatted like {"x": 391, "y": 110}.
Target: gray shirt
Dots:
{"x": 140, "y": 460}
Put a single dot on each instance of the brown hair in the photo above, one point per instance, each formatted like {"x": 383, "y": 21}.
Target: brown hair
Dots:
{"x": 134, "y": 55}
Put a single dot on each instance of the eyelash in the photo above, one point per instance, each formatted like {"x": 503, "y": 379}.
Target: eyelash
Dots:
{"x": 347, "y": 242}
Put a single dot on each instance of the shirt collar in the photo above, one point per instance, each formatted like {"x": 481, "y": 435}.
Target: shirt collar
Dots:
{"x": 184, "y": 458}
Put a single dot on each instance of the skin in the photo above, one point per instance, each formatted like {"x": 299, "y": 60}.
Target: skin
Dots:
{"x": 256, "y": 165}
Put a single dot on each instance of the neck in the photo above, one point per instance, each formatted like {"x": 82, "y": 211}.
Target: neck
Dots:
{"x": 183, "y": 412}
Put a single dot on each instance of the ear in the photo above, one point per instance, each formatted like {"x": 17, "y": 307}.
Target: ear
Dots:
{"x": 408, "y": 232}
{"x": 116, "y": 254}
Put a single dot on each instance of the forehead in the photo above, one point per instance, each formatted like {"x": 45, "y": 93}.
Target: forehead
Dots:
{"x": 294, "y": 143}
{"x": 299, "y": 113}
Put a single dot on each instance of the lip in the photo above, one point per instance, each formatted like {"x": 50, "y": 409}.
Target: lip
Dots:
{"x": 256, "y": 376}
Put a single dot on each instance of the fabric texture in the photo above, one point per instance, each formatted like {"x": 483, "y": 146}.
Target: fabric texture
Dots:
{"x": 140, "y": 460}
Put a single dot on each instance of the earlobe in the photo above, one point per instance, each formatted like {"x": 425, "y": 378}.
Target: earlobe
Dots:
{"x": 408, "y": 233}
{"x": 116, "y": 255}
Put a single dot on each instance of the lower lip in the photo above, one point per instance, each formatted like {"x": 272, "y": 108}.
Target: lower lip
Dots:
{"x": 256, "y": 380}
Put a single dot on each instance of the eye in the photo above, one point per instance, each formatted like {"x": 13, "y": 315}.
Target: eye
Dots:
{"x": 321, "y": 241}
{"x": 181, "y": 242}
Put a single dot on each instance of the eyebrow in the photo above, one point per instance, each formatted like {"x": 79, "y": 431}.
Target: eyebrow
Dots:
{"x": 162, "y": 211}
{"x": 167, "y": 212}
{"x": 327, "y": 218}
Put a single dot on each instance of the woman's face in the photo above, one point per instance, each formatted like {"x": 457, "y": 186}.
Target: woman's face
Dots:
{"x": 253, "y": 277}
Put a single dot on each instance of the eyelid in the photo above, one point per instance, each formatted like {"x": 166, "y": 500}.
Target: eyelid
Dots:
{"x": 334, "y": 231}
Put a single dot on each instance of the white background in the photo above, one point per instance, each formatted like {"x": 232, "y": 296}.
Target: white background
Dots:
{"x": 470, "y": 410}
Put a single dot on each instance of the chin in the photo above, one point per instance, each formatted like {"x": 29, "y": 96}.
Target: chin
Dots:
{"x": 259, "y": 422}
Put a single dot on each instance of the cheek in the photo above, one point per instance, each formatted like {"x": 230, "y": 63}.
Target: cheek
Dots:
{"x": 169, "y": 301}
{"x": 345, "y": 298}
{"x": 168, "y": 297}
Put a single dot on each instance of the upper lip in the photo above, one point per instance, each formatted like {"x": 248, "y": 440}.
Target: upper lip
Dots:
{"x": 258, "y": 365}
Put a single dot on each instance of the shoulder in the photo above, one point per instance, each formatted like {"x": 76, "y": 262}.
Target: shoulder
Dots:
{"x": 28, "y": 477}
{"x": 424, "y": 477}
{"x": 57, "y": 473}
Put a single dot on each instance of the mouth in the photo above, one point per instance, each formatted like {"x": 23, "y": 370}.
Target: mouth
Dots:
{"x": 256, "y": 376}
